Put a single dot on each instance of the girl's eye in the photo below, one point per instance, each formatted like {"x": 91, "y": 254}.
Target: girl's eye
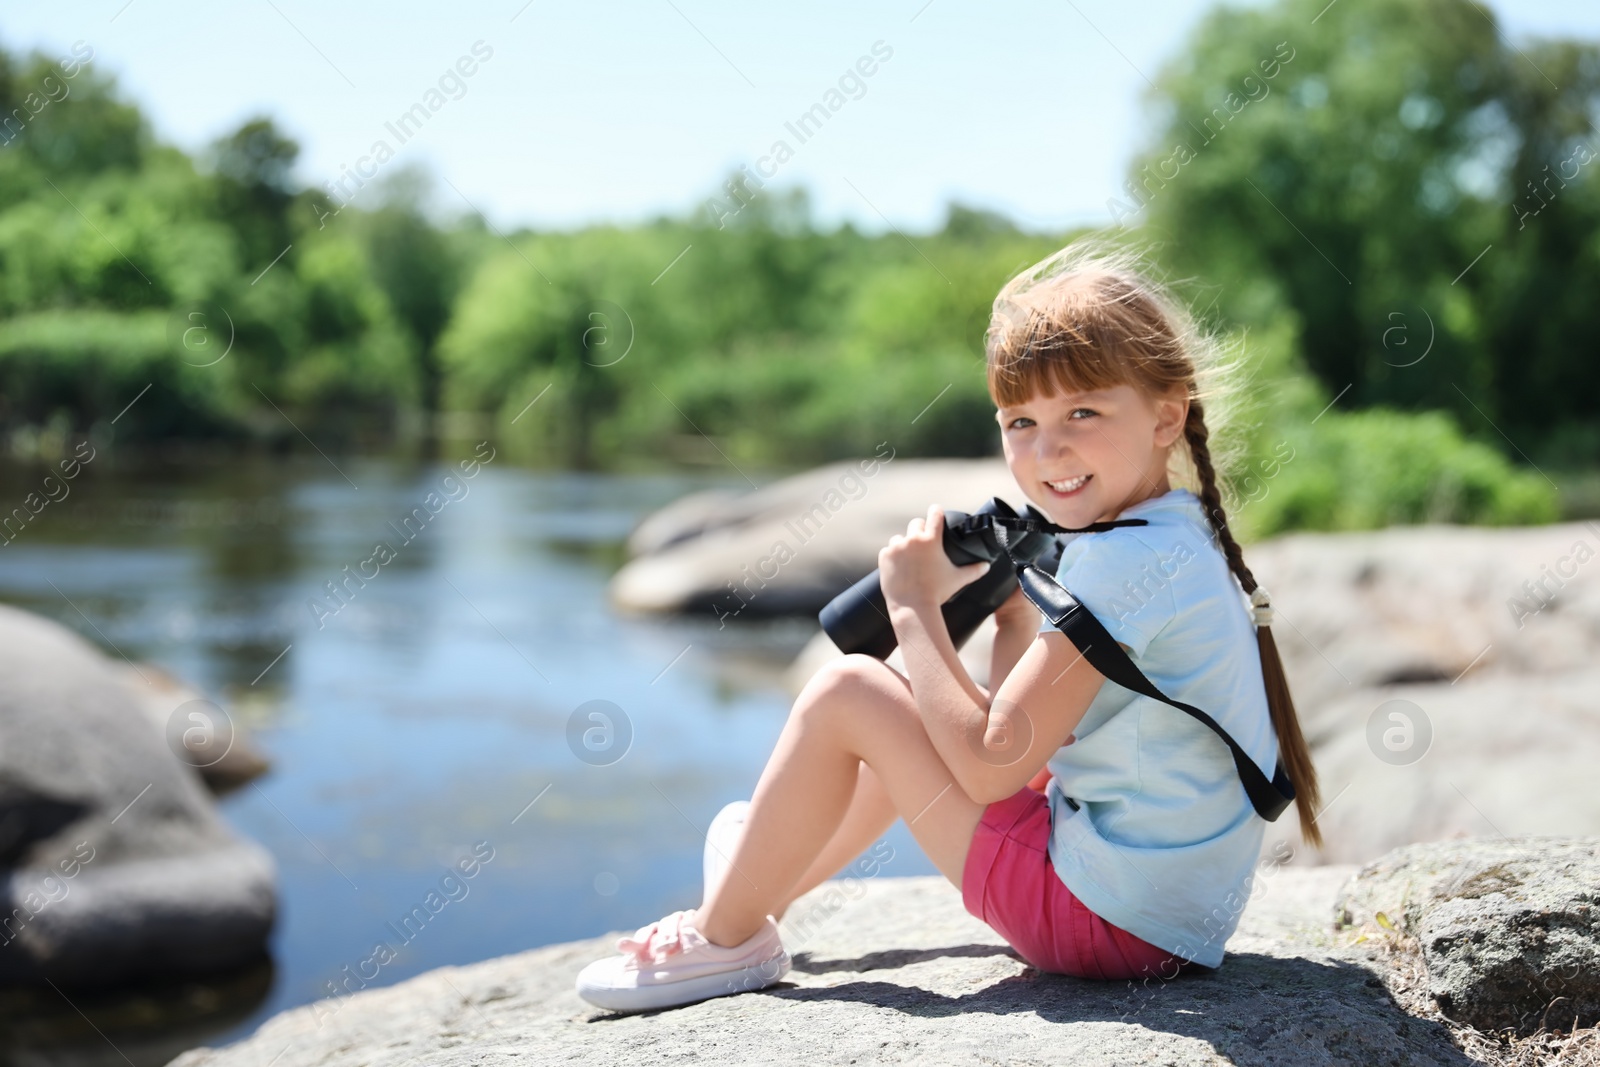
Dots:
{"x": 1071, "y": 416}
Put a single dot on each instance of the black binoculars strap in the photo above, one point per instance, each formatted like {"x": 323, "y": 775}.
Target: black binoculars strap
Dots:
{"x": 1022, "y": 522}
{"x": 1067, "y": 614}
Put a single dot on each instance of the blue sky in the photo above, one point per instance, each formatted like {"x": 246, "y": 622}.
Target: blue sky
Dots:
{"x": 609, "y": 111}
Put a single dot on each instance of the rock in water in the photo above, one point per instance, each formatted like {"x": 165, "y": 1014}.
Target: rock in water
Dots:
{"x": 893, "y": 970}
{"x": 161, "y": 696}
{"x": 1509, "y": 928}
{"x": 792, "y": 546}
{"x": 116, "y": 864}
{"x": 28, "y": 815}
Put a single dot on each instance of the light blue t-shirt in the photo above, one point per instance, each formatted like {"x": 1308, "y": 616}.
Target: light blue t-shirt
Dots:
{"x": 1163, "y": 841}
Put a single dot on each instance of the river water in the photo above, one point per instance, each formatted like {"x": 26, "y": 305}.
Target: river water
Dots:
{"x": 444, "y": 708}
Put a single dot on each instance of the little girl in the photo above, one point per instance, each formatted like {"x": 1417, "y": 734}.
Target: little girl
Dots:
{"x": 1136, "y": 858}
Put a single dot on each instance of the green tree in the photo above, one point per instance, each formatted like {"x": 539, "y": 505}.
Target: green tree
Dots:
{"x": 255, "y": 186}
{"x": 1351, "y": 170}
{"x": 418, "y": 267}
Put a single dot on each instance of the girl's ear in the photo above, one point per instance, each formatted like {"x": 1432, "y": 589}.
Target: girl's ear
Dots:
{"x": 1172, "y": 414}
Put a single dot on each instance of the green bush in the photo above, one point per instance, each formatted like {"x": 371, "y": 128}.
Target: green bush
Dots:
{"x": 1380, "y": 467}
{"x": 93, "y": 364}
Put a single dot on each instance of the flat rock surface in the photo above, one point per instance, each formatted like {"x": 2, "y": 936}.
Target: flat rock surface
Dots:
{"x": 897, "y": 973}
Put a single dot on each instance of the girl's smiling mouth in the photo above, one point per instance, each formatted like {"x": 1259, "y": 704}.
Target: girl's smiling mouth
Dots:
{"x": 1069, "y": 486}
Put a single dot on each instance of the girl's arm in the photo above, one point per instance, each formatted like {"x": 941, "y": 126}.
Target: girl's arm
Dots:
{"x": 1017, "y": 624}
{"x": 992, "y": 746}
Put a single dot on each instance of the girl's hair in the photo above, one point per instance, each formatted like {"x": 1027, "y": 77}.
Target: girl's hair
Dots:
{"x": 1090, "y": 317}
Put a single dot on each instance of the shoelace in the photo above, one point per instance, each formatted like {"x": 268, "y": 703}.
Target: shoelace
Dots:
{"x": 654, "y": 943}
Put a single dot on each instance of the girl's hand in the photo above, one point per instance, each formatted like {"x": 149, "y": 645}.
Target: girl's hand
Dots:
{"x": 915, "y": 572}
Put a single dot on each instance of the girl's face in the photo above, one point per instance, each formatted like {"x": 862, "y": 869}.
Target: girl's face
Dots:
{"x": 1084, "y": 457}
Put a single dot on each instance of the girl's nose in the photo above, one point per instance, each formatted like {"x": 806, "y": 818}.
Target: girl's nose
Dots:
{"x": 1052, "y": 448}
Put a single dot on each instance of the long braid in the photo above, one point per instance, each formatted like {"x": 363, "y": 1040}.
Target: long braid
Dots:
{"x": 1198, "y": 436}
{"x": 1292, "y": 748}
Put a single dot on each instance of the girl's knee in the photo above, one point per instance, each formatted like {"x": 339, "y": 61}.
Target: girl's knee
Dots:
{"x": 846, "y": 676}
{"x": 852, "y": 685}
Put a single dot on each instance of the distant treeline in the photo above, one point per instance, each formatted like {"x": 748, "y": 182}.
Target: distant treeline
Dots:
{"x": 1392, "y": 213}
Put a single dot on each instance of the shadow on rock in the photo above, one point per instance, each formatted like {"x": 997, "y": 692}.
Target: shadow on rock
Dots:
{"x": 892, "y": 958}
{"x": 1254, "y": 1010}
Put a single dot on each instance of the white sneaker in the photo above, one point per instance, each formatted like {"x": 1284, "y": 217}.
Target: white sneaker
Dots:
{"x": 669, "y": 963}
{"x": 721, "y": 839}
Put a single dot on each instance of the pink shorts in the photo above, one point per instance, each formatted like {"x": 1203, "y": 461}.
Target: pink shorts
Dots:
{"x": 1010, "y": 883}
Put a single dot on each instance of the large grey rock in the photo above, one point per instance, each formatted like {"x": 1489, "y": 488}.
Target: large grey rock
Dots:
{"x": 1509, "y": 928}
{"x": 686, "y": 517}
{"x": 1507, "y": 755}
{"x": 830, "y": 523}
{"x": 115, "y": 863}
{"x": 160, "y": 695}
{"x": 1445, "y": 677}
{"x": 1432, "y": 603}
{"x": 895, "y": 971}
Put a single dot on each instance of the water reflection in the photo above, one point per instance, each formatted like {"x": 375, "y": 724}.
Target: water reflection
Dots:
{"x": 426, "y": 719}
{"x": 146, "y": 1027}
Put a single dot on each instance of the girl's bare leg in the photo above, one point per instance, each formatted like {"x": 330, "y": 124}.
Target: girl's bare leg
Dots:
{"x": 855, "y": 710}
{"x": 870, "y": 815}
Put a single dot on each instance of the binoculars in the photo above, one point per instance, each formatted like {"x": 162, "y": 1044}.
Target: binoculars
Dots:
{"x": 858, "y": 619}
